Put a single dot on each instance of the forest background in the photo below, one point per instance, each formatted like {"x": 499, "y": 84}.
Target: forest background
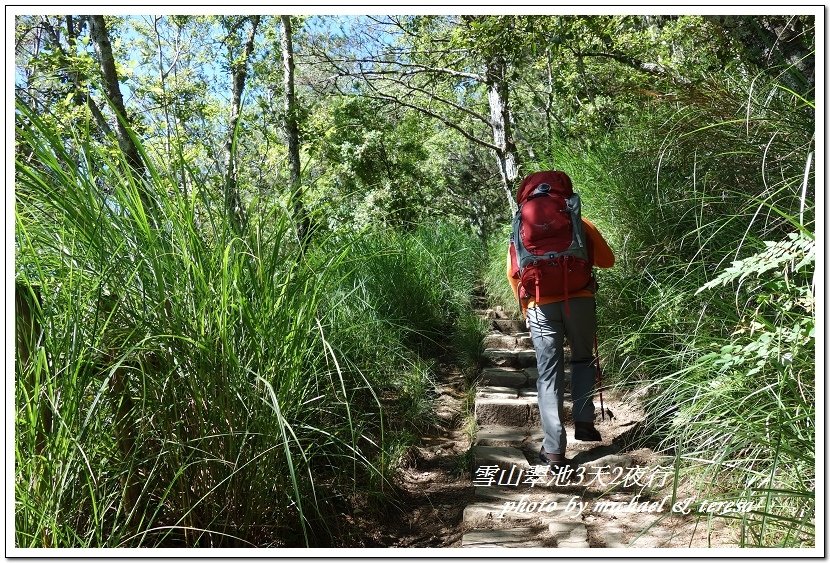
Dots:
{"x": 241, "y": 241}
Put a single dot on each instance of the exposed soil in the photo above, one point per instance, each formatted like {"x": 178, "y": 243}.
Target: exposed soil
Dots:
{"x": 433, "y": 483}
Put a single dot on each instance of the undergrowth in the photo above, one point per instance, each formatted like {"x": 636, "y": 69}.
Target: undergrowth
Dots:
{"x": 182, "y": 384}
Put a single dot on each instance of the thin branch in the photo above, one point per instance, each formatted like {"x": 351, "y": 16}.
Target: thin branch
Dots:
{"x": 446, "y": 121}
{"x": 434, "y": 97}
{"x": 165, "y": 73}
{"x": 396, "y": 22}
{"x": 23, "y": 34}
{"x": 369, "y": 76}
{"x": 655, "y": 69}
{"x": 419, "y": 68}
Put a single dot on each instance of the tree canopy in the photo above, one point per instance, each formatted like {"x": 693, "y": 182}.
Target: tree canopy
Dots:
{"x": 509, "y": 86}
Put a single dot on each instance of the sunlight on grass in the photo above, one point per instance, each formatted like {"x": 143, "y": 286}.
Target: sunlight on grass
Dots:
{"x": 186, "y": 386}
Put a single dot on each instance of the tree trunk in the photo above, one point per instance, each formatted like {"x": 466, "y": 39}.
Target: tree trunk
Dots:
{"x": 549, "y": 100}
{"x": 239, "y": 73}
{"x": 103, "y": 47}
{"x": 497, "y": 97}
{"x": 292, "y": 131}
{"x": 168, "y": 141}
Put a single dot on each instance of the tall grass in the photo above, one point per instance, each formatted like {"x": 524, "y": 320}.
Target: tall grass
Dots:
{"x": 709, "y": 206}
{"x": 496, "y": 287}
{"x": 192, "y": 387}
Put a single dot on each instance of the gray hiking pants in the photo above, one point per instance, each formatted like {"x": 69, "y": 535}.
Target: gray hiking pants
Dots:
{"x": 549, "y": 325}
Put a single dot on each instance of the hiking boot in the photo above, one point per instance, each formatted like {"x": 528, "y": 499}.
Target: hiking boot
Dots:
{"x": 586, "y": 432}
{"x": 554, "y": 461}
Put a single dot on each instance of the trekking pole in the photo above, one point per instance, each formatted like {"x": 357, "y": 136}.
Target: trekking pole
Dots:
{"x": 599, "y": 376}
{"x": 596, "y": 355}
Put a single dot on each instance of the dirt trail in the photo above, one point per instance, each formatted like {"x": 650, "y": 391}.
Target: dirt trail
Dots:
{"x": 433, "y": 483}
{"x": 487, "y": 491}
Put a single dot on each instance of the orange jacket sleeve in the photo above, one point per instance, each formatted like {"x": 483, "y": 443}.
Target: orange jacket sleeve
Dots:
{"x": 514, "y": 282}
{"x": 601, "y": 253}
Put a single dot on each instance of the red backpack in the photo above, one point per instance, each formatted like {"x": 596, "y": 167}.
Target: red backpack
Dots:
{"x": 548, "y": 247}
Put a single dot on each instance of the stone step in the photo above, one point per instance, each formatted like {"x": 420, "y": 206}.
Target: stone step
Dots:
{"x": 498, "y": 340}
{"x": 503, "y": 436}
{"x": 533, "y": 377}
{"x": 569, "y": 533}
{"x": 496, "y": 458}
{"x": 506, "y": 410}
{"x": 519, "y": 509}
{"x": 513, "y": 537}
{"x": 492, "y": 312}
{"x": 511, "y": 510}
{"x": 509, "y": 326}
{"x": 509, "y": 358}
{"x": 495, "y": 391}
{"x": 529, "y": 438}
{"x": 493, "y": 493}
{"x": 504, "y": 377}
{"x": 516, "y": 377}
{"x": 504, "y": 392}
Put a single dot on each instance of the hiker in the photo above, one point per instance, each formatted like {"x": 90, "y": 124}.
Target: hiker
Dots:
{"x": 551, "y": 272}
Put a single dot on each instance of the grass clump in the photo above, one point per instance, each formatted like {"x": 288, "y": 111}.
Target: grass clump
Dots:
{"x": 715, "y": 301}
{"x": 496, "y": 287}
{"x": 179, "y": 384}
